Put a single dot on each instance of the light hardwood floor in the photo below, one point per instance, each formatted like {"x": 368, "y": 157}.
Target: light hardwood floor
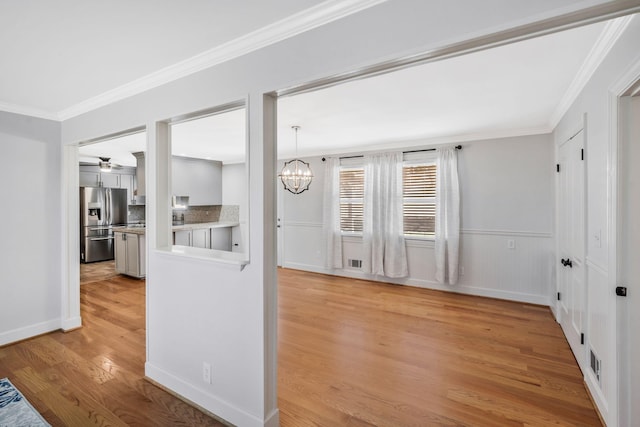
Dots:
{"x": 93, "y": 376}
{"x": 351, "y": 353}
{"x": 359, "y": 353}
{"x": 97, "y": 271}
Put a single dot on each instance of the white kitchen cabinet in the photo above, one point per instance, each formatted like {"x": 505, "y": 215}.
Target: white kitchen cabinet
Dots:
{"x": 110, "y": 180}
{"x": 91, "y": 176}
{"x": 199, "y": 179}
{"x": 201, "y": 238}
{"x": 140, "y": 172}
{"x": 197, "y": 238}
{"x": 128, "y": 182}
{"x": 120, "y": 251}
{"x": 182, "y": 237}
{"x": 221, "y": 238}
{"x": 130, "y": 256}
{"x": 89, "y": 179}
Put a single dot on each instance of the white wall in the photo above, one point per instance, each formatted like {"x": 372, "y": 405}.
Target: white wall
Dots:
{"x": 30, "y": 259}
{"x": 594, "y": 101}
{"x": 506, "y": 194}
{"x": 245, "y": 383}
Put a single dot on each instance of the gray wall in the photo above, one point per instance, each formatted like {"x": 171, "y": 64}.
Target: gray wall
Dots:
{"x": 30, "y": 255}
{"x": 507, "y": 194}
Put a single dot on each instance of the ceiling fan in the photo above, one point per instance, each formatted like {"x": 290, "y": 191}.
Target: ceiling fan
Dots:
{"x": 106, "y": 166}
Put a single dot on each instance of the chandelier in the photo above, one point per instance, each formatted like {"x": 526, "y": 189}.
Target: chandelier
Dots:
{"x": 296, "y": 175}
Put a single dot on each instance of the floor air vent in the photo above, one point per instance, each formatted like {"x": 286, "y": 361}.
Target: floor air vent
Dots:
{"x": 595, "y": 365}
{"x": 355, "y": 263}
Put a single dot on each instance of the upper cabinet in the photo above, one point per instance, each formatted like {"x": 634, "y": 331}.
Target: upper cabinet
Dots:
{"x": 140, "y": 171}
{"x": 91, "y": 176}
{"x": 89, "y": 179}
{"x": 200, "y": 179}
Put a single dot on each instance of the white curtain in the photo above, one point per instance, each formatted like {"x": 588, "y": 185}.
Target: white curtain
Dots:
{"x": 447, "y": 216}
{"x": 383, "y": 235}
{"x": 331, "y": 214}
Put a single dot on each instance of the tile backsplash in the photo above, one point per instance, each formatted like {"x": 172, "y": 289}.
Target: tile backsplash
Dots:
{"x": 193, "y": 214}
{"x": 136, "y": 213}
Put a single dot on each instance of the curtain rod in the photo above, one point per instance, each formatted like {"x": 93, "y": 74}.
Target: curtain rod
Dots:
{"x": 457, "y": 147}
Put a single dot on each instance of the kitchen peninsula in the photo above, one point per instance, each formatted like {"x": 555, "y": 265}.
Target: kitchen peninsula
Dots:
{"x": 130, "y": 242}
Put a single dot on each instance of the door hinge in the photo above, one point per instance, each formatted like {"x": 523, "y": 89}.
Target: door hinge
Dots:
{"x": 582, "y": 339}
{"x": 558, "y": 168}
{"x": 621, "y": 291}
{"x": 582, "y": 154}
{"x": 558, "y": 296}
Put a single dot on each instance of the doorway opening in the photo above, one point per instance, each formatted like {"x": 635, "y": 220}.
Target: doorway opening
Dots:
{"x": 111, "y": 200}
{"x": 208, "y": 179}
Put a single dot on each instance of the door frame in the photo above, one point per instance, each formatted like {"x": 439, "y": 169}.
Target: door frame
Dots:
{"x": 617, "y": 305}
{"x": 70, "y": 316}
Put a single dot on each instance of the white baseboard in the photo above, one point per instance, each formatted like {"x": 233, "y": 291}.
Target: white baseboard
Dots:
{"x": 213, "y": 404}
{"x": 429, "y": 284}
{"x": 597, "y": 395}
{"x": 29, "y": 331}
{"x": 273, "y": 420}
{"x": 71, "y": 323}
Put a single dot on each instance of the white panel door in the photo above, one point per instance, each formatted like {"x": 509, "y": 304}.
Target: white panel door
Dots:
{"x": 629, "y": 268}
{"x": 571, "y": 241}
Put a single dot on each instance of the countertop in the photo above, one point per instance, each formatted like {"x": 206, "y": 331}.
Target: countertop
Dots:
{"x": 181, "y": 227}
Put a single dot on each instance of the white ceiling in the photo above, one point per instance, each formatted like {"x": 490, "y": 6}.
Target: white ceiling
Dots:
{"x": 69, "y": 56}
{"x": 61, "y": 58}
{"x": 517, "y": 89}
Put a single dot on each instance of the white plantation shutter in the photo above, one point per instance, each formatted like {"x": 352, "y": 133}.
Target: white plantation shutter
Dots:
{"x": 351, "y": 199}
{"x": 419, "y": 196}
{"x": 419, "y": 199}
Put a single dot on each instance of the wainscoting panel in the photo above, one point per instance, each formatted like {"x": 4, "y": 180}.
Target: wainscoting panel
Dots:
{"x": 513, "y": 265}
{"x": 303, "y": 245}
{"x": 598, "y": 340}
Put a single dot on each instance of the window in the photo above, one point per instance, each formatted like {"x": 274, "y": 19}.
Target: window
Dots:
{"x": 351, "y": 200}
{"x": 419, "y": 199}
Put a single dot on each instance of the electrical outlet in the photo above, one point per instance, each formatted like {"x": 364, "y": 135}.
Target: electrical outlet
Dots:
{"x": 511, "y": 244}
{"x": 206, "y": 372}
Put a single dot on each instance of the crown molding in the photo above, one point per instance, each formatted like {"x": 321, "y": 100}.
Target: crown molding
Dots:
{"x": 607, "y": 39}
{"x": 28, "y": 111}
{"x": 323, "y": 13}
{"x": 418, "y": 142}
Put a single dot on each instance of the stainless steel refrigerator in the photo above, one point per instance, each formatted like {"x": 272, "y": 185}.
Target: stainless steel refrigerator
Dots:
{"x": 101, "y": 209}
